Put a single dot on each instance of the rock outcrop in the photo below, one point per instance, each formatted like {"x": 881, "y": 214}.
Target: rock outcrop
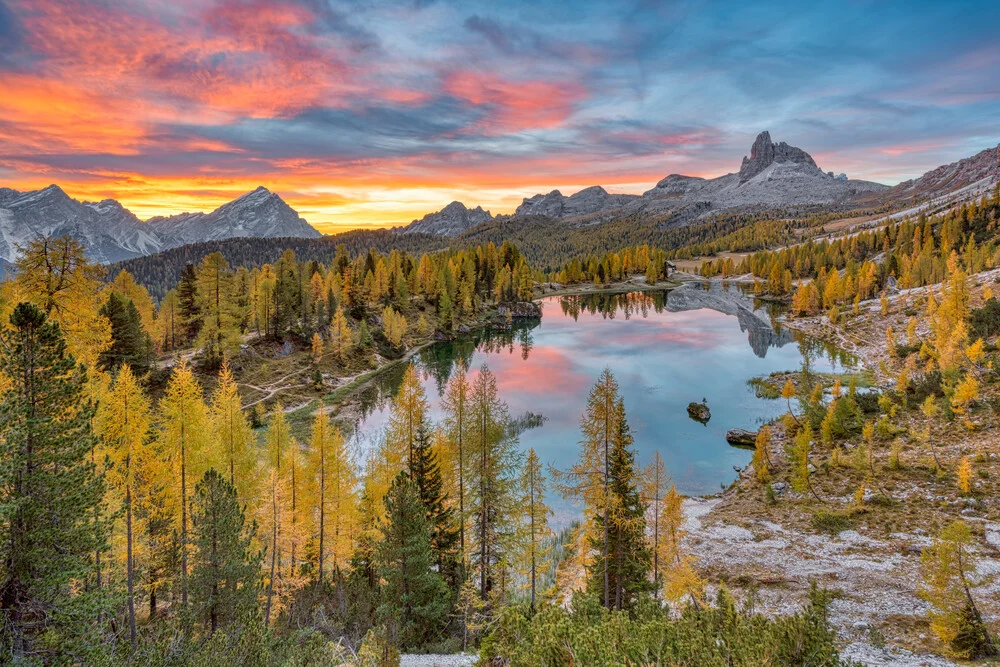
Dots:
{"x": 765, "y": 152}
{"x": 738, "y": 437}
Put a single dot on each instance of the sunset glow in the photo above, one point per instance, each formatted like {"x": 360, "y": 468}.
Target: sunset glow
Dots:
{"x": 375, "y": 115}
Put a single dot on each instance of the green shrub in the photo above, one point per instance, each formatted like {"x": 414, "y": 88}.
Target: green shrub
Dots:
{"x": 716, "y": 635}
{"x": 831, "y": 522}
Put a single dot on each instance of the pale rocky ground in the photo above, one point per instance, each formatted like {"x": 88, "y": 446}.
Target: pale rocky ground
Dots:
{"x": 875, "y": 568}
{"x": 876, "y": 578}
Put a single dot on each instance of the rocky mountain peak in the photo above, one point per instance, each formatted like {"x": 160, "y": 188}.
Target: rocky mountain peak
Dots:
{"x": 452, "y": 220}
{"x": 765, "y": 152}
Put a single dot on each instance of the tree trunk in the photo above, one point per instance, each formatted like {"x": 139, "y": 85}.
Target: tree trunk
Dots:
{"x": 130, "y": 557}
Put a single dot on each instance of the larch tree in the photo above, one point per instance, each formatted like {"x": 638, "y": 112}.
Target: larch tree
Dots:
{"x": 680, "y": 579}
{"x": 493, "y": 464}
{"x": 535, "y": 521}
{"x": 340, "y": 335}
{"x": 123, "y": 422}
{"x": 948, "y": 569}
{"x": 590, "y": 476}
{"x": 407, "y": 415}
{"x": 278, "y": 440}
{"x": 55, "y": 275}
{"x": 184, "y": 434}
{"x": 234, "y": 439}
{"x": 49, "y": 492}
{"x": 219, "y": 333}
{"x": 333, "y": 495}
{"x": 456, "y": 406}
{"x": 655, "y": 481}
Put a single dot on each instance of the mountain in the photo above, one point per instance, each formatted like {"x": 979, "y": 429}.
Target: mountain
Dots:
{"x": 588, "y": 201}
{"x": 975, "y": 175}
{"x": 772, "y": 176}
{"x": 111, "y": 233}
{"x": 452, "y": 220}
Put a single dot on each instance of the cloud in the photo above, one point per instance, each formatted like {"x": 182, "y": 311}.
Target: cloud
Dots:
{"x": 374, "y": 113}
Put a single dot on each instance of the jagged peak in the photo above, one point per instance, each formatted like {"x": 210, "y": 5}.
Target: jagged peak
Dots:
{"x": 765, "y": 152}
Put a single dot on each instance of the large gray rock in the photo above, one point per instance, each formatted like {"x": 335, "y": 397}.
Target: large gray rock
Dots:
{"x": 739, "y": 437}
{"x": 699, "y": 412}
{"x": 765, "y": 152}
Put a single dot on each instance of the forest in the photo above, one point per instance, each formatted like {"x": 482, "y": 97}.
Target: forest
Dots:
{"x": 149, "y": 517}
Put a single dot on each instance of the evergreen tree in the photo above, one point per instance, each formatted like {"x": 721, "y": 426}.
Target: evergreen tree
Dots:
{"x": 440, "y": 517}
{"x": 628, "y": 560}
{"x": 49, "y": 493}
{"x": 130, "y": 344}
{"x": 225, "y": 572}
{"x": 414, "y": 597}
{"x": 188, "y": 306}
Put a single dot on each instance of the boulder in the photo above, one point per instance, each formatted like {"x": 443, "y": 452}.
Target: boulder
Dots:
{"x": 699, "y": 412}
{"x": 520, "y": 310}
{"x": 739, "y": 437}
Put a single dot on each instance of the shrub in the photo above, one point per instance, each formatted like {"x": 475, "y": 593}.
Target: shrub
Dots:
{"x": 831, "y": 522}
{"x": 588, "y": 634}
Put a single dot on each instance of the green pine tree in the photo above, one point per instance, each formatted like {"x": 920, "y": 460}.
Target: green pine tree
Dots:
{"x": 629, "y": 558}
{"x": 225, "y": 576}
{"x": 49, "y": 494}
{"x": 441, "y": 520}
{"x": 415, "y": 599}
{"x": 130, "y": 344}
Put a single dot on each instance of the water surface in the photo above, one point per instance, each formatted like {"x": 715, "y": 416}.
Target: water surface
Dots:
{"x": 665, "y": 349}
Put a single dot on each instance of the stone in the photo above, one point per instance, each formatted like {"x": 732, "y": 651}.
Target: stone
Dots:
{"x": 699, "y": 412}
{"x": 739, "y": 437}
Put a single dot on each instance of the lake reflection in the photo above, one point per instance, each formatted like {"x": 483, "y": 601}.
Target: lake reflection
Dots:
{"x": 666, "y": 350}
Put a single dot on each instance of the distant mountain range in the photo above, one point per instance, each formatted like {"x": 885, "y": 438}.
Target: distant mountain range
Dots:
{"x": 112, "y": 233}
{"x": 773, "y": 176}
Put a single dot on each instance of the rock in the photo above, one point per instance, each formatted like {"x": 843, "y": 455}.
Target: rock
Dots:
{"x": 764, "y": 153}
{"x": 739, "y": 437}
{"x": 520, "y": 310}
{"x": 463, "y": 329}
{"x": 699, "y": 412}
{"x": 912, "y": 549}
{"x": 779, "y": 488}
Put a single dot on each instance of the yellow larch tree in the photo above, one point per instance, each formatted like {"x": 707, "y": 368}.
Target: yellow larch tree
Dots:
{"x": 653, "y": 493}
{"x": 184, "y": 434}
{"x": 456, "y": 407}
{"x": 234, "y": 440}
{"x": 332, "y": 494}
{"x": 407, "y": 414}
{"x": 340, "y": 335}
{"x": 123, "y": 422}
{"x": 680, "y": 579}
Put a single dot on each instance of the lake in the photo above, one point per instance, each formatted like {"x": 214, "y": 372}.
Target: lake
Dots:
{"x": 666, "y": 349}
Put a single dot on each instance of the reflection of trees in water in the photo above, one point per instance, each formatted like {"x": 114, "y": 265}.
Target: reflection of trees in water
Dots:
{"x": 609, "y": 306}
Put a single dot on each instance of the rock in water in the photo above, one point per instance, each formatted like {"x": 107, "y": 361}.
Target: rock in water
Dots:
{"x": 699, "y": 412}
{"x": 738, "y": 437}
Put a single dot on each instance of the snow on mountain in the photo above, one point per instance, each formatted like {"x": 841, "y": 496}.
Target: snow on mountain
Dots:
{"x": 111, "y": 233}
{"x": 452, "y": 220}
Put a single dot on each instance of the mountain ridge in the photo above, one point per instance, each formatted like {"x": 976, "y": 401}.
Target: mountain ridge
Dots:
{"x": 111, "y": 233}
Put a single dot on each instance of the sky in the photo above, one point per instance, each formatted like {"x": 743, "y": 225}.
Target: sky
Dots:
{"x": 373, "y": 113}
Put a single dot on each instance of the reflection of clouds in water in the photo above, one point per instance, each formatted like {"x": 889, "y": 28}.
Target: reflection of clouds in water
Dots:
{"x": 662, "y": 358}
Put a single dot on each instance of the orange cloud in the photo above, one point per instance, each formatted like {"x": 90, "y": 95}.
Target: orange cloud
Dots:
{"x": 511, "y": 105}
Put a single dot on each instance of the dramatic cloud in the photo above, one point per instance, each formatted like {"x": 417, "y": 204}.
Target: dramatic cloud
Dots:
{"x": 375, "y": 113}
